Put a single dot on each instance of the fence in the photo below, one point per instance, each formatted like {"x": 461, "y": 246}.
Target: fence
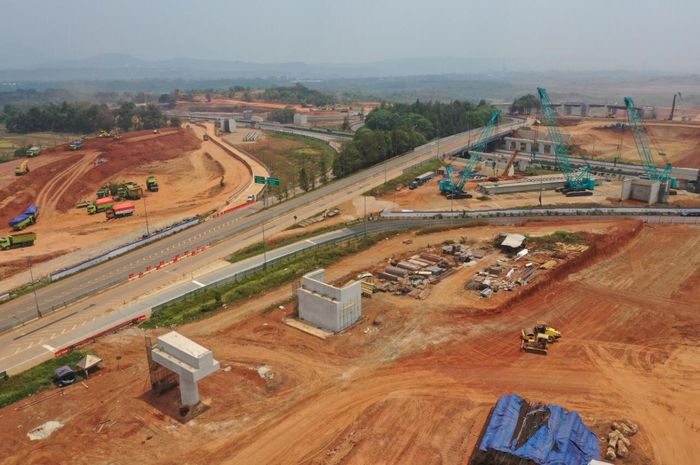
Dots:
{"x": 253, "y": 269}
{"x": 122, "y": 250}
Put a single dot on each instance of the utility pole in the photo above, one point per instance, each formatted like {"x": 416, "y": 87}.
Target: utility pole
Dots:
{"x": 148, "y": 232}
{"x": 364, "y": 216}
{"x": 31, "y": 277}
{"x": 264, "y": 248}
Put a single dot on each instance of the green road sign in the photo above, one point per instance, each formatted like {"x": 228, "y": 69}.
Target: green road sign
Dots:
{"x": 273, "y": 181}
{"x": 259, "y": 179}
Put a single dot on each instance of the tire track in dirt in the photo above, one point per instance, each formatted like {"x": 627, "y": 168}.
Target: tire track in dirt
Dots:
{"x": 49, "y": 195}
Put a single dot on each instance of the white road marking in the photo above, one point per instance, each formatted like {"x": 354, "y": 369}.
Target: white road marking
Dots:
{"x": 198, "y": 283}
{"x": 48, "y": 347}
{"x": 310, "y": 241}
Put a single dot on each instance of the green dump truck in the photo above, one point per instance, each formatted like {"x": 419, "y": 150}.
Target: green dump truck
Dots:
{"x": 130, "y": 191}
{"x": 205, "y": 137}
{"x": 76, "y": 145}
{"x": 17, "y": 240}
{"x": 152, "y": 184}
{"x": 103, "y": 192}
{"x": 100, "y": 205}
{"x": 33, "y": 151}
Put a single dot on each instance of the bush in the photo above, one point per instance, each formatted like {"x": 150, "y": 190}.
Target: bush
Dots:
{"x": 255, "y": 284}
{"x": 35, "y": 379}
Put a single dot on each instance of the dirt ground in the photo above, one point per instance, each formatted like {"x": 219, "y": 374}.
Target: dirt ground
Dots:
{"x": 416, "y": 387}
{"x": 680, "y": 142}
{"x": 188, "y": 176}
{"x": 427, "y": 197}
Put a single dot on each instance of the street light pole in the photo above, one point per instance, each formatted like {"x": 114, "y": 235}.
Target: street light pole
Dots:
{"x": 31, "y": 277}
{"x": 264, "y": 248}
{"x": 148, "y": 232}
{"x": 364, "y": 216}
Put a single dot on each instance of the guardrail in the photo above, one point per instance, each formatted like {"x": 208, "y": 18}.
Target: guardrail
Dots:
{"x": 122, "y": 250}
{"x": 407, "y": 220}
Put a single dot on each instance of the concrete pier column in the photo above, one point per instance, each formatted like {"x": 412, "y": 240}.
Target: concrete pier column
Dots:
{"x": 584, "y": 110}
{"x": 189, "y": 391}
{"x": 541, "y": 148}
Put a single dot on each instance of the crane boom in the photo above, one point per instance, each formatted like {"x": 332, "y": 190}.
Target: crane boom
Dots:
{"x": 448, "y": 185}
{"x": 575, "y": 180}
{"x": 641, "y": 140}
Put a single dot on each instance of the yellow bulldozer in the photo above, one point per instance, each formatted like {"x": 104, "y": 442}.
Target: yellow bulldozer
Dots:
{"x": 537, "y": 340}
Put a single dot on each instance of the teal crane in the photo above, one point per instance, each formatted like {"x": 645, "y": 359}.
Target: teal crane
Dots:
{"x": 577, "y": 181}
{"x": 641, "y": 140}
{"x": 455, "y": 188}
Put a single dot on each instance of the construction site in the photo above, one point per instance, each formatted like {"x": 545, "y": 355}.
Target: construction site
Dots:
{"x": 342, "y": 326}
{"x": 441, "y": 361}
{"x": 166, "y": 177}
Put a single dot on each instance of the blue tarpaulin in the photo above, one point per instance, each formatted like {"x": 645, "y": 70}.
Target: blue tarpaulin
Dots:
{"x": 32, "y": 210}
{"x": 547, "y": 435}
{"x": 18, "y": 219}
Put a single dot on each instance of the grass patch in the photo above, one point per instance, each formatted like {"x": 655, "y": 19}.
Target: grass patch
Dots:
{"x": 405, "y": 178}
{"x": 201, "y": 305}
{"x": 27, "y": 288}
{"x": 35, "y": 379}
{"x": 550, "y": 240}
{"x": 286, "y": 154}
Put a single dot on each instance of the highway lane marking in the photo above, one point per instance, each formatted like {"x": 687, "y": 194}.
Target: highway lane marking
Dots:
{"x": 48, "y": 347}
{"x": 310, "y": 241}
{"x": 198, "y": 283}
{"x": 44, "y": 326}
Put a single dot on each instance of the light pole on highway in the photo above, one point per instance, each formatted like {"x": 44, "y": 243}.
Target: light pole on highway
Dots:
{"x": 264, "y": 248}
{"x": 148, "y": 232}
{"x": 364, "y": 216}
{"x": 31, "y": 277}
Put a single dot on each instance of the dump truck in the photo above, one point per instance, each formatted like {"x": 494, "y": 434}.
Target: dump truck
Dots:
{"x": 103, "y": 192}
{"x": 100, "y": 205}
{"x": 130, "y": 191}
{"x": 120, "y": 210}
{"x": 205, "y": 137}
{"x": 152, "y": 184}
{"x": 27, "y": 218}
{"x": 17, "y": 240}
{"x": 76, "y": 145}
{"x": 552, "y": 334}
{"x": 22, "y": 169}
{"x": 33, "y": 151}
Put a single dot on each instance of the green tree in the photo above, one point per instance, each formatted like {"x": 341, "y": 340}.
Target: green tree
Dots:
{"x": 303, "y": 179}
{"x": 525, "y": 104}
{"x": 346, "y": 123}
{"x": 124, "y": 115}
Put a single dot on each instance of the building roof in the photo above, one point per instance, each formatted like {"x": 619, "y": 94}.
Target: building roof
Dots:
{"x": 544, "y": 434}
{"x": 513, "y": 241}
{"x": 88, "y": 362}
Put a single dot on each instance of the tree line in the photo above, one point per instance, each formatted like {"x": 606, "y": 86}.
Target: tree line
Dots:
{"x": 391, "y": 130}
{"x": 297, "y": 94}
{"x": 77, "y": 117}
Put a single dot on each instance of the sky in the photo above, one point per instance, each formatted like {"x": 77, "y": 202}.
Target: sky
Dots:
{"x": 505, "y": 34}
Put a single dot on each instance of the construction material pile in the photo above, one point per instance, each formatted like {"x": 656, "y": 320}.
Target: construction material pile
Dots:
{"x": 618, "y": 439}
{"x": 414, "y": 275}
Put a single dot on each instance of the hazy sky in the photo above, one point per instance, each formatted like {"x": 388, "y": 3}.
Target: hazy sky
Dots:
{"x": 512, "y": 34}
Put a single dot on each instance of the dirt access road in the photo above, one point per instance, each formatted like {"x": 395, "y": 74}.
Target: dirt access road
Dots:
{"x": 188, "y": 173}
{"x": 417, "y": 387}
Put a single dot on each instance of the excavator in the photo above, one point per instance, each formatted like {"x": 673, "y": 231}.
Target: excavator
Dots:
{"x": 537, "y": 340}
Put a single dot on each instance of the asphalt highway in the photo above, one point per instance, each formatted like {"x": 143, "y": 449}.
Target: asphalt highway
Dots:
{"x": 225, "y": 228}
